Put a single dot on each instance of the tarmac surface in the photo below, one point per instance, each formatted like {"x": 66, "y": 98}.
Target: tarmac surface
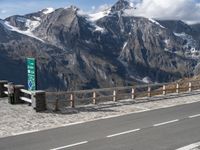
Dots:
{"x": 161, "y": 129}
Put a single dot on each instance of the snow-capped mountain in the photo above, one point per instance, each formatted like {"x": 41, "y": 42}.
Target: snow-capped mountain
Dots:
{"x": 122, "y": 5}
{"x": 104, "y": 49}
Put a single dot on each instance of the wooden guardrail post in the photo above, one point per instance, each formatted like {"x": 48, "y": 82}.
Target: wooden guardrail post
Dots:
{"x": 177, "y": 88}
{"x": 133, "y": 93}
{"x": 10, "y": 92}
{"x": 190, "y": 87}
{"x": 114, "y": 95}
{"x": 2, "y": 88}
{"x": 149, "y": 91}
{"x": 72, "y": 100}
{"x": 56, "y": 104}
{"x": 18, "y": 94}
{"x": 39, "y": 100}
{"x": 164, "y": 89}
{"x": 94, "y": 97}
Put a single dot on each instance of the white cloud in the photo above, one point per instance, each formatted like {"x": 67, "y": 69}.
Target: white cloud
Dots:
{"x": 3, "y": 11}
{"x": 186, "y": 10}
{"x": 103, "y": 7}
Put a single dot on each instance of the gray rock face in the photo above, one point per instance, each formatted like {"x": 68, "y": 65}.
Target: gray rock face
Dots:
{"x": 196, "y": 32}
{"x": 121, "y": 5}
{"x": 74, "y": 52}
{"x": 178, "y": 26}
{"x": 62, "y": 28}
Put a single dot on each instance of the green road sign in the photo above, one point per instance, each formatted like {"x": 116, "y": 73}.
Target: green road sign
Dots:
{"x": 32, "y": 76}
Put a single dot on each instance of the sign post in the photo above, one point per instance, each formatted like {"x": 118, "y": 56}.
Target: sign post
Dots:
{"x": 32, "y": 74}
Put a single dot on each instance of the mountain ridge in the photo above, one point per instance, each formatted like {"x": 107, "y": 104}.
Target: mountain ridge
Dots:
{"x": 76, "y": 52}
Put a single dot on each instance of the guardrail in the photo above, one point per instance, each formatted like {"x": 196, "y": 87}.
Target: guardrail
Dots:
{"x": 82, "y": 97}
{"x": 35, "y": 98}
{"x": 26, "y": 92}
{"x": 56, "y": 100}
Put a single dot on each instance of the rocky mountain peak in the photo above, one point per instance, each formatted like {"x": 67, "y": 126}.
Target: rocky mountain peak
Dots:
{"x": 121, "y": 5}
{"x": 64, "y": 17}
{"x": 74, "y": 8}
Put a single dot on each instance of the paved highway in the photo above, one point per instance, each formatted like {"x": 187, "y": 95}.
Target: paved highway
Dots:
{"x": 163, "y": 129}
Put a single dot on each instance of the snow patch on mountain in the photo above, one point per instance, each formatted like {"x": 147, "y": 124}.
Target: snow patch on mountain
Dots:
{"x": 29, "y": 24}
{"x": 146, "y": 80}
{"x": 98, "y": 28}
{"x": 37, "y": 18}
{"x": 167, "y": 42}
{"x": 15, "y": 29}
{"x": 95, "y": 27}
{"x": 48, "y": 11}
{"x": 132, "y": 4}
{"x": 96, "y": 16}
{"x": 155, "y": 22}
{"x": 32, "y": 25}
{"x": 190, "y": 42}
{"x": 190, "y": 45}
{"x": 125, "y": 44}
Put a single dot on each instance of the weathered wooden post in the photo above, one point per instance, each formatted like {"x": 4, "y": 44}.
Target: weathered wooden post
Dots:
{"x": 177, "y": 88}
{"x": 72, "y": 100}
{"x": 133, "y": 93}
{"x": 11, "y": 92}
{"x": 39, "y": 100}
{"x": 190, "y": 87}
{"x": 114, "y": 95}
{"x": 149, "y": 91}
{"x": 56, "y": 104}
{"x": 164, "y": 89}
{"x": 18, "y": 94}
{"x": 3, "y": 88}
{"x": 94, "y": 98}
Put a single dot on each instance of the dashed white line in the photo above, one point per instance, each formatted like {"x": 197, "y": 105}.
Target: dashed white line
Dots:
{"x": 194, "y": 116}
{"x": 71, "y": 145}
{"x": 122, "y": 133}
{"x": 164, "y": 123}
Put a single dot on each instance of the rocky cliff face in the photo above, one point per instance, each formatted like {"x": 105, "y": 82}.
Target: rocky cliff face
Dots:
{"x": 110, "y": 48}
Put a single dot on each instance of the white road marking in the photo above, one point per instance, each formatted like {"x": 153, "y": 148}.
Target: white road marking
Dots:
{"x": 25, "y": 132}
{"x": 122, "y": 133}
{"x": 71, "y": 145}
{"x": 194, "y": 116}
{"x": 164, "y": 123}
{"x": 71, "y": 124}
{"x": 189, "y": 147}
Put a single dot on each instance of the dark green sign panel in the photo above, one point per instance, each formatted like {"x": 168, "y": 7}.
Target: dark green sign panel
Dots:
{"x": 32, "y": 77}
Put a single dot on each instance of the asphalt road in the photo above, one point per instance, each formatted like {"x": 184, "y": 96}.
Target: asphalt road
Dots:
{"x": 163, "y": 129}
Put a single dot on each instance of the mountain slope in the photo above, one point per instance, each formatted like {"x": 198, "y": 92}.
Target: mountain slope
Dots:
{"x": 109, "y": 48}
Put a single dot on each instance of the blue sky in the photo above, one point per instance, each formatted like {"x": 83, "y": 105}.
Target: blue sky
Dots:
{"x": 11, "y": 7}
{"x": 186, "y": 10}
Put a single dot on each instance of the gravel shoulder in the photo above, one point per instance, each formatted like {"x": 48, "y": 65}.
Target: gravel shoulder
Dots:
{"x": 19, "y": 119}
